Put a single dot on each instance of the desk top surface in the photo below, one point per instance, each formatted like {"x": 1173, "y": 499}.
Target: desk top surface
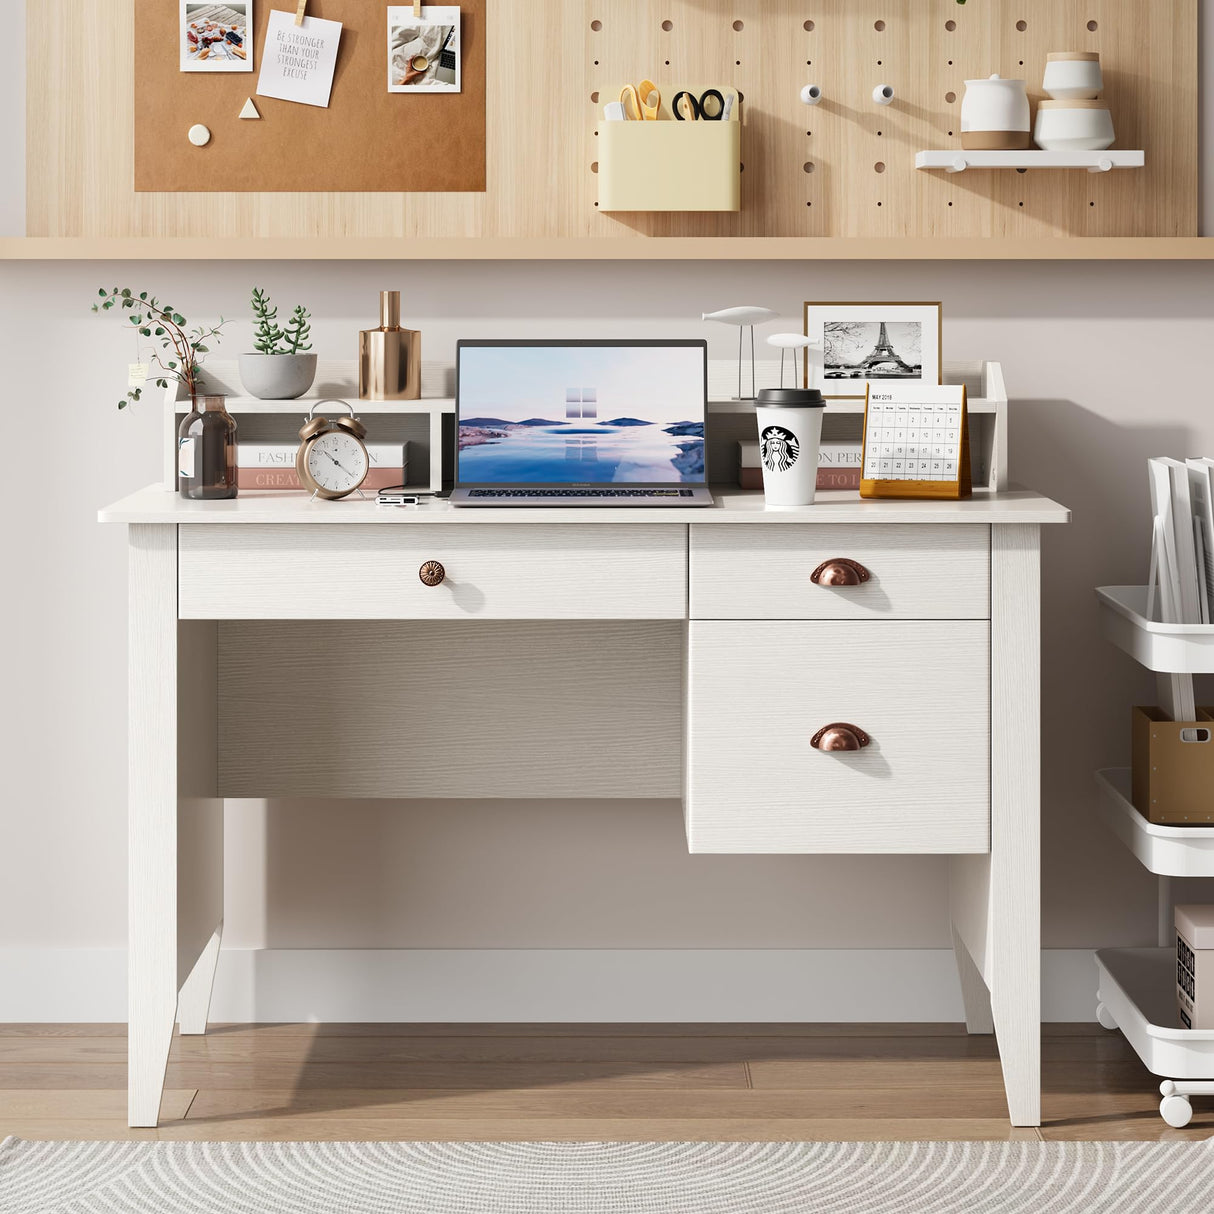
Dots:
{"x": 155, "y": 504}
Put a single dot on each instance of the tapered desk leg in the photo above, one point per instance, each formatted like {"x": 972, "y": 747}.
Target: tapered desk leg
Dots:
{"x": 176, "y": 817}
{"x": 152, "y": 957}
{"x": 996, "y": 899}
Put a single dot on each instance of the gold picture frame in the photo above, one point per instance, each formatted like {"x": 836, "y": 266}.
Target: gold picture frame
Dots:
{"x": 927, "y": 316}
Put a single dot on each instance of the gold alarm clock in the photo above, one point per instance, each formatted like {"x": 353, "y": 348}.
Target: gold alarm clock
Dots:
{"x": 332, "y": 459}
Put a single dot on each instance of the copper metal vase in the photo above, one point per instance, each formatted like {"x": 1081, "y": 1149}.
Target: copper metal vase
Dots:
{"x": 389, "y": 358}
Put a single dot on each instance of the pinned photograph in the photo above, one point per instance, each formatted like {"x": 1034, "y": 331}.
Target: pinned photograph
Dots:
{"x": 423, "y": 52}
{"x": 216, "y": 37}
{"x": 854, "y": 345}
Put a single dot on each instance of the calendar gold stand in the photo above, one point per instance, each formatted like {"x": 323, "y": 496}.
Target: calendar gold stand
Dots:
{"x": 950, "y": 490}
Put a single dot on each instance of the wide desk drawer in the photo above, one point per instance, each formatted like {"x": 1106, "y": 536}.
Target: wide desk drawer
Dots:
{"x": 759, "y": 691}
{"x": 489, "y": 571}
{"x": 913, "y": 572}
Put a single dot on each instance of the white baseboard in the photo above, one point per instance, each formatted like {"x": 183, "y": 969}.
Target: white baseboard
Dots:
{"x": 470, "y": 985}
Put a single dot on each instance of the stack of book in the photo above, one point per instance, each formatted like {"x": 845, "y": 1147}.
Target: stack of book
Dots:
{"x": 1182, "y": 542}
{"x": 272, "y": 466}
{"x": 838, "y": 465}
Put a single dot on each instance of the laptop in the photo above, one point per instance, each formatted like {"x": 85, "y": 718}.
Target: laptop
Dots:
{"x": 581, "y": 423}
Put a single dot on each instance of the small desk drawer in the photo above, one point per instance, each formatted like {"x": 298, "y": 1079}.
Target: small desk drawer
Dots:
{"x": 751, "y": 572}
{"x": 491, "y": 571}
{"x": 759, "y": 691}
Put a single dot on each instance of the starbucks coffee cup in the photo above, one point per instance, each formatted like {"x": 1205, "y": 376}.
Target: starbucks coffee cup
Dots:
{"x": 790, "y": 430}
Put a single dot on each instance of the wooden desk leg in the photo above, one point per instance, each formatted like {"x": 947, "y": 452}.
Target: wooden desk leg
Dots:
{"x": 152, "y": 725}
{"x": 996, "y": 899}
{"x": 176, "y": 818}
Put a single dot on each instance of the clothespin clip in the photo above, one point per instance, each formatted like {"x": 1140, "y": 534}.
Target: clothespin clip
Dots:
{"x": 417, "y": 9}
{"x": 301, "y": 12}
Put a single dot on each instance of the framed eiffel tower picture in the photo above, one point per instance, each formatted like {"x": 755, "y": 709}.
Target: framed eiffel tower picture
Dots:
{"x": 853, "y": 345}
{"x": 916, "y": 442}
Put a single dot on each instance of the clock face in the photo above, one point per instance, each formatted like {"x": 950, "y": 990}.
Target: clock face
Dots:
{"x": 337, "y": 462}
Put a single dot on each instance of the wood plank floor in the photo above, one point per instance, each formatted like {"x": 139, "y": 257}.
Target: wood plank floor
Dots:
{"x": 578, "y": 1082}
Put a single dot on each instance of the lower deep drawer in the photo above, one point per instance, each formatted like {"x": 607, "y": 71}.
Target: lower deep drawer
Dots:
{"x": 759, "y": 691}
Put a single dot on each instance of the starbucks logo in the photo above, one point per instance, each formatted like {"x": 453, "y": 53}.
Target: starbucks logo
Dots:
{"x": 779, "y": 449}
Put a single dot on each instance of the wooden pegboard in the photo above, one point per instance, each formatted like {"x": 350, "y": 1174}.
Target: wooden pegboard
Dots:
{"x": 545, "y": 73}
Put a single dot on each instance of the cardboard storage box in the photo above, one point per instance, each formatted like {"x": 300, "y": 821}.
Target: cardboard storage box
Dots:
{"x": 1195, "y": 966}
{"x": 1173, "y": 761}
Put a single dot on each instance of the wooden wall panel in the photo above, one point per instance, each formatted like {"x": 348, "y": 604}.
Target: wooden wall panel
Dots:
{"x": 544, "y": 70}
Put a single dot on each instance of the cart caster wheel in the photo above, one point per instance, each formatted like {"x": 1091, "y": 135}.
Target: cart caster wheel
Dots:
{"x": 1176, "y": 1111}
{"x": 1105, "y": 1017}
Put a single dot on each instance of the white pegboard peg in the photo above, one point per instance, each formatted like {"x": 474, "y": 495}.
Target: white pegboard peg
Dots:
{"x": 959, "y": 165}
{"x": 883, "y": 94}
{"x": 1103, "y": 165}
{"x": 811, "y": 94}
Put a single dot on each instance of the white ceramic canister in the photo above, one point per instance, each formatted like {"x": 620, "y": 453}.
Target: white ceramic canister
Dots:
{"x": 1073, "y": 126}
{"x": 995, "y": 116}
{"x": 1072, "y": 76}
{"x": 790, "y": 432}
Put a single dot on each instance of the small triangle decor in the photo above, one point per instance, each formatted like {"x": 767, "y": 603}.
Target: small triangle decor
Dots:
{"x": 250, "y": 110}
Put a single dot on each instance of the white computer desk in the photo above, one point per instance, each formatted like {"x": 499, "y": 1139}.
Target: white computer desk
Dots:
{"x": 935, "y": 658}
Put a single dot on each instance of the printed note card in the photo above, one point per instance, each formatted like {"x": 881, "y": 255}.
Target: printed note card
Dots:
{"x": 298, "y": 61}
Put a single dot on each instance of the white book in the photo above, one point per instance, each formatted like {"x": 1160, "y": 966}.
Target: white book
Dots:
{"x": 1163, "y": 547}
{"x": 1201, "y": 491}
{"x": 282, "y": 455}
{"x": 1186, "y": 555}
{"x": 1203, "y": 586}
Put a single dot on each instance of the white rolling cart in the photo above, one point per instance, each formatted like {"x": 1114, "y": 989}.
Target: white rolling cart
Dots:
{"x": 1136, "y": 987}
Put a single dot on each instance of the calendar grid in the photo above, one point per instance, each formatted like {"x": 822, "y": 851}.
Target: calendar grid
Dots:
{"x": 912, "y": 438}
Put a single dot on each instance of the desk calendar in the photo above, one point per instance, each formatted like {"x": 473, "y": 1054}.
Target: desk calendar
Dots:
{"x": 916, "y": 442}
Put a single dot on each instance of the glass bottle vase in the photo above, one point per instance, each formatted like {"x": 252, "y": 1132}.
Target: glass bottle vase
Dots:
{"x": 206, "y": 450}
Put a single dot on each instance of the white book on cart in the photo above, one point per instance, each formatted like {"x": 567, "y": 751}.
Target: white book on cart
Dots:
{"x": 1201, "y": 492}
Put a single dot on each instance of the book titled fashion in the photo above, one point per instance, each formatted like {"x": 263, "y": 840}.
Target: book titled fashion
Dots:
{"x": 272, "y": 466}
{"x": 838, "y": 466}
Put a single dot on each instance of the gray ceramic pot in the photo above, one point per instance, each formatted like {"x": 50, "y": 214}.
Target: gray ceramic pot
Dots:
{"x": 277, "y": 376}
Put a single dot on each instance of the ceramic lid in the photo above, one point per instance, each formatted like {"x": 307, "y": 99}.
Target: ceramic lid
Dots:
{"x": 1073, "y": 56}
{"x": 1073, "y": 104}
{"x": 790, "y": 398}
{"x": 996, "y": 79}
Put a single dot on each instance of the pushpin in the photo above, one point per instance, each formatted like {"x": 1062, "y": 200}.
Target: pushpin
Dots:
{"x": 250, "y": 110}
{"x": 200, "y": 136}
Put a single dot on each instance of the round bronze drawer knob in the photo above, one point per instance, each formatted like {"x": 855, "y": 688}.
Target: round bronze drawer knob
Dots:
{"x": 839, "y": 571}
{"x": 432, "y": 573}
{"x": 839, "y": 736}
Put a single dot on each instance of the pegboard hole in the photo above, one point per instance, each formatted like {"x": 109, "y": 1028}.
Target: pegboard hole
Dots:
{"x": 1091, "y": 204}
{"x": 950, "y": 204}
{"x": 596, "y": 26}
{"x": 737, "y": 63}
{"x": 879, "y": 26}
{"x": 950, "y": 26}
{"x": 879, "y": 167}
{"x": 596, "y": 63}
{"x": 878, "y": 204}
{"x": 1022, "y": 25}
{"x": 668, "y": 25}
{"x": 809, "y": 204}
{"x": 594, "y": 97}
{"x": 1020, "y": 204}
{"x": 667, "y": 62}
{"x": 878, "y": 62}
{"x": 1093, "y": 26}
{"x": 1022, "y": 63}
{"x": 1022, "y": 171}
{"x": 950, "y": 97}
{"x": 809, "y": 133}
{"x": 950, "y": 134}
{"x": 741, "y": 96}
{"x": 739, "y": 26}
{"x": 594, "y": 168}
{"x": 741, "y": 168}
{"x": 808, "y": 27}
{"x": 880, "y": 132}
{"x": 809, "y": 166}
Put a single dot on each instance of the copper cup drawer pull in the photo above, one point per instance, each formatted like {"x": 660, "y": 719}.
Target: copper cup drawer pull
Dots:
{"x": 839, "y": 571}
{"x": 839, "y": 735}
{"x": 431, "y": 573}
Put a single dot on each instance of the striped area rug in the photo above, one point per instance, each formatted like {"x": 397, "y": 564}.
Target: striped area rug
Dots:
{"x": 611, "y": 1178}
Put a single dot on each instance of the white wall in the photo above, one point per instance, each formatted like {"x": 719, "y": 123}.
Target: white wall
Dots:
{"x": 1104, "y": 364}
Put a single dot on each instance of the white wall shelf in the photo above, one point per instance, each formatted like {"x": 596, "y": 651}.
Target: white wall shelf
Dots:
{"x": 955, "y": 160}
{"x": 1169, "y": 851}
{"x": 1164, "y": 648}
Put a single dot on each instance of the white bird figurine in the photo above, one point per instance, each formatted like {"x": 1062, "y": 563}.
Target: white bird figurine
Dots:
{"x": 744, "y": 318}
{"x": 790, "y": 341}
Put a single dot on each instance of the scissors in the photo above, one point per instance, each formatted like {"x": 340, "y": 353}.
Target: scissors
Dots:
{"x": 688, "y": 108}
{"x": 641, "y": 102}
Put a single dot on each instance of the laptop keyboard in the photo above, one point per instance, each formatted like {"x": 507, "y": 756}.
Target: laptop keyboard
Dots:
{"x": 591, "y": 493}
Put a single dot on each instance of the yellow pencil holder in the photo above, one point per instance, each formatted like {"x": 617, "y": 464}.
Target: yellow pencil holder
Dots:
{"x": 669, "y": 165}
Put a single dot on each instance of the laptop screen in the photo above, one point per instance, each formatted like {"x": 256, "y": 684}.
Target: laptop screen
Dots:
{"x": 581, "y": 413}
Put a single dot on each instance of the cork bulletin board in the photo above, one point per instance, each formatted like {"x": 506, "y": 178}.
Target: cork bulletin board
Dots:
{"x": 367, "y": 140}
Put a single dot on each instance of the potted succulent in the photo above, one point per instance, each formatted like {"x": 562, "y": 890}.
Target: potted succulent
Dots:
{"x": 280, "y": 369}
